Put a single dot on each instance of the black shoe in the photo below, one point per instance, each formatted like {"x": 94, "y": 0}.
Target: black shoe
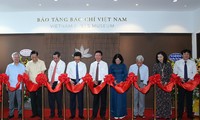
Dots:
{"x": 60, "y": 116}
{"x": 9, "y": 117}
{"x": 81, "y": 117}
{"x": 142, "y": 116}
{"x": 191, "y": 117}
{"x": 33, "y": 116}
{"x": 179, "y": 118}
{"x": 71, "y": 117}
{"x": 103, "y": 118}
{"x": 20, "y": 116}
{"x": 51, "y": 116}
{"x": 92, "y": 118}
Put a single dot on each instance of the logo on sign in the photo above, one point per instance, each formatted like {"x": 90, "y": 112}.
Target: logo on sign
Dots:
{"x": 175, "y": 56}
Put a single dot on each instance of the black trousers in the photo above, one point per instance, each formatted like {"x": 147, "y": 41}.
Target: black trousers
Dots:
{"x": 73, "y": 103}
{"x": 36, "y": 102}
{"x": 182, "y": 93}
{"x": 55, "y": 97}
{"x": 100, "y": 97}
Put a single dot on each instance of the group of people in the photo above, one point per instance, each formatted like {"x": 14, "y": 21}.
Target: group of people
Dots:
{"x": 76, "y": 70}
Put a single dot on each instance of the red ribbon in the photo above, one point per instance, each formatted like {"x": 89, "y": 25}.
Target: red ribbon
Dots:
{"x": 122, "y": 87}
{"x": 190, "y": 85}
{"x": 62, "y": 78}
{"x": 29, "y": 84}
{"x": 75, "y": 88}
{"x": 145, "y": 89}
{"x": 3, "y": 79}
{"x": 87, "y": 79}
{"x": 41, "y": 79}
{"x": 95, "y": 90}
{"x": 109, "y": 79}
{"x": 169, "y": 86}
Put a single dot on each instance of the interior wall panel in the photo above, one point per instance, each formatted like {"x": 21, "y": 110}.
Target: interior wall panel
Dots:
{"x": 129, "y": 45}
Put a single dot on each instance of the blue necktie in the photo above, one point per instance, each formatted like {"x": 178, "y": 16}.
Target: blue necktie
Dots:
{"x": 185, "y": 72}
{"x": 77, "y": 75}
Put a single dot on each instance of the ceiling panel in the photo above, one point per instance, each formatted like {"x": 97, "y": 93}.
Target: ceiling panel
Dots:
{"x": 98, "y": 5}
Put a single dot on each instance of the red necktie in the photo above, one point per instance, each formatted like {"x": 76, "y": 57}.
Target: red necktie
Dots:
{"x": 53, "y": 75}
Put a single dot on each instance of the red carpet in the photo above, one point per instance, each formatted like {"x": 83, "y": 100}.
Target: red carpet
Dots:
{"x": 28, "y": 113}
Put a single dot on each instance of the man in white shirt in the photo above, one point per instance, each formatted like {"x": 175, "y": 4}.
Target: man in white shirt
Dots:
{"x": 186, "y": 70}
{"x": 76, "y": 70}
{"x": 142, "y": 72}
{"x": 13, "y": 70}
{"x": 98, "y": 71}
{"x": 56, "y": 68}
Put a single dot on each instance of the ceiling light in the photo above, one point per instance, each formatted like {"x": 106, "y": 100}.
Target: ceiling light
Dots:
{"x": 136, "y": 4}
{"x": 55, "y": 0}
{"x": 115, "y": 0}
{"x": 39, "y": 4}
{"x": 185, "y": 6}
{"x": 175, "y": 0}
{"x": 87, "y": 4}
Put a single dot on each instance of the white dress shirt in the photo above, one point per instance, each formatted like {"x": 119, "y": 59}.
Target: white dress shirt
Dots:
{"x": 144, "y": 72}
{"x": 191, "y": 68}
{"x": 71, "y": 70}
{"x": 60, "y": 69}
{"x": 103, "y": 70}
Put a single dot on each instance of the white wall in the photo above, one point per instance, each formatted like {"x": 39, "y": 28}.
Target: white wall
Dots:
{"x": 196, "y": 18}
{"x": 136, "y": 22}
{"x": 103, "y": 22}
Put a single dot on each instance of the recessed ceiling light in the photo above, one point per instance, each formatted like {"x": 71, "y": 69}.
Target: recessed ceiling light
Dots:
{"x": 55, "y": 0}
{"x": 39, "y": 4}
{"x": 87, "y": 4}
{"x": 136, "y": 4}
{"x": 175, "y": 0}
{"x": 185, "y": 6}
{"x": 115, "y": 0}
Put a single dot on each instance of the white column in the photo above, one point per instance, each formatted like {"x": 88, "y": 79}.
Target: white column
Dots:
{"x": 194, "y": 45}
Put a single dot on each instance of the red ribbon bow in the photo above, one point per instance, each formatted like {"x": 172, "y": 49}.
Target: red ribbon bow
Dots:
{"x": 41, "y": 79}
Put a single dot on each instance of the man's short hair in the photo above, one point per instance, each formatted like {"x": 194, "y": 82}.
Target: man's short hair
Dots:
{"x": 56, "y": 53}
{"x": 15, "y": 53}
{"x": 99, "y": 51}
{"x": 34, "y": 52}
{"x": 185, "y": 51}
{"x": 78, "y": 54}
{"x": 140, "y": 58}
